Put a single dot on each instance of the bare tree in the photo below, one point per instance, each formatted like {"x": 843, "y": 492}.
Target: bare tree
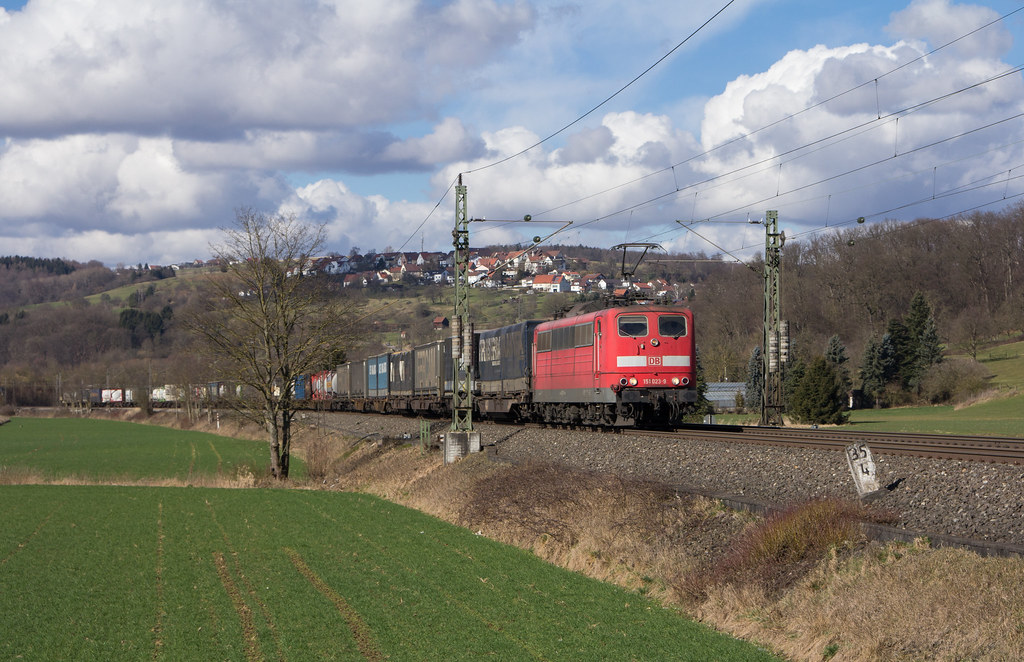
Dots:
{"x": 267, "y": 321}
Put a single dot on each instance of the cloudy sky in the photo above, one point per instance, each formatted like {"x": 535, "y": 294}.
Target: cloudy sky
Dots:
{"x": 132, "y": 130}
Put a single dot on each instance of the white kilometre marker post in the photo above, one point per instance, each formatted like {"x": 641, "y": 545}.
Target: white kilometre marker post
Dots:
{"x": 865, "y": 477}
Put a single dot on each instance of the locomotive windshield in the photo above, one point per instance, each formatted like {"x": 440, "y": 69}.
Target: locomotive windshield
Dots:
{"x": 672, "y": 326}
{"x": 633, "y": 326}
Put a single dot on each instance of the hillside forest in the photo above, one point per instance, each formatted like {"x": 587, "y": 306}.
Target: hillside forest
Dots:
{"x": 848, "y": 294}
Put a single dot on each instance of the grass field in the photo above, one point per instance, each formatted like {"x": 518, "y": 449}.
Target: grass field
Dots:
{"x": 105, "y": 572}
{"x": 115, "y": 451}
{"x": 1006, "y": 363}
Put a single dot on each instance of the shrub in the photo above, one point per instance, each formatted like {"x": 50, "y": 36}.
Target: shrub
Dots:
{"x": 954, "y": 379}
{"x": 783, "y": 547}
{"x": 319, "y": 457}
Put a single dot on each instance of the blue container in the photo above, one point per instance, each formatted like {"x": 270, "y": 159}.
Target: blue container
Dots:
{"x": 377, "y": 376}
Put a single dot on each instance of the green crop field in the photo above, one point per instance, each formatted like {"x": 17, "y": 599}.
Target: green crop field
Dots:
{"x": 105, "y": 572}
{"x": 127, "y": 573}
{"x": 110, "y": 450}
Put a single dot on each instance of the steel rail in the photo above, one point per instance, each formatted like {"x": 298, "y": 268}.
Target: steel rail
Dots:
{"x": 1008, "y": 450}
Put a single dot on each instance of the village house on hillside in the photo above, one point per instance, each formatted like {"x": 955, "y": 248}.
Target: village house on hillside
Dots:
{"x": 551, "y": 283}
{"x": 526, "y": 269}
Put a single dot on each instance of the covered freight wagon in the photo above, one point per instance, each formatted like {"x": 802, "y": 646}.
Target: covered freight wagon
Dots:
{"x": 503, "y": 359}
{"x": 344, "y": 381}
{"x": 357, "y": 379}
{"x": 301, "y": 389}
{"x": 323, "y": 385}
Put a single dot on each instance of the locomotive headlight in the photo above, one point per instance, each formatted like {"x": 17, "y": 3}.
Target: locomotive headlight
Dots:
{"x": 632, "y": 381}
{"x": 675, "y": 381}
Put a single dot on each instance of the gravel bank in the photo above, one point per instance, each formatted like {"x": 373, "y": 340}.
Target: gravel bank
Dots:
{"x": 963, "y": 499}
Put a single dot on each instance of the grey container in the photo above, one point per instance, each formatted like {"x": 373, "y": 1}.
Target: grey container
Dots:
{"x": 401, "y": 373}
{"x": 433, "y": 368}
{"x": 357, "y": 379}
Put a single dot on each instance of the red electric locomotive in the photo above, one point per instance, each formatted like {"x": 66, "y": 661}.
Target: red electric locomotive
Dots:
{"x": 618, "y": 366}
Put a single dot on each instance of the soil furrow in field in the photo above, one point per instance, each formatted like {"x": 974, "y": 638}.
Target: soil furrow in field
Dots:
{"x": 360, "y": 630}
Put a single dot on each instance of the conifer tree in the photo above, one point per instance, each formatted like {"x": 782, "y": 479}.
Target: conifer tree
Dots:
{"x": 835, "y": 354}
{"x": 819, "y": 396}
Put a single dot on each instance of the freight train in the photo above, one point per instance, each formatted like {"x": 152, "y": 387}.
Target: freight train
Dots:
{"x": 621, "y": 366}
{"x": 625, "y": 366}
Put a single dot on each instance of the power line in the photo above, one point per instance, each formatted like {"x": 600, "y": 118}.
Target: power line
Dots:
{"x": 792, "y": 116}
{"x": 424, "y": 221}
{"x": 823, "y": 142}
{"x": 575, "y": 121}
{"x": 613, "y": 95}
{"x": 870, "y": 165}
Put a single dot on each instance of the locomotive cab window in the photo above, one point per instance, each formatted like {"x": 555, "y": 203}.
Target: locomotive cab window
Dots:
{"x": 672, "y": 326}
{"x": 633, "y": 326}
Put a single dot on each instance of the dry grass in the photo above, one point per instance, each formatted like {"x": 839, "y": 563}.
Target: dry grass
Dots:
{"x": 783, "y": 547}
{"x": 988, "y": 395}
{"x": 244, "y": 478}
{"x": 631, "y": 533}
{"x": 886, "y": 602}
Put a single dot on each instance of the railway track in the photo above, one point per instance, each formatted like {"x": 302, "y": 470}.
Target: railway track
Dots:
{"x": 1009, "y": 450}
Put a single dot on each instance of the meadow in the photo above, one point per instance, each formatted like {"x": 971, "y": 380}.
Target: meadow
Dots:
{"x": 125, "y": 572}
{"x": 1000, "y": 413}
{"x": 997, "y": 418}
